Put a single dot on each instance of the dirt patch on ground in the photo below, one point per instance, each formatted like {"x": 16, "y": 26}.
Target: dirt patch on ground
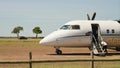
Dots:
{"x": 13, "y": 52}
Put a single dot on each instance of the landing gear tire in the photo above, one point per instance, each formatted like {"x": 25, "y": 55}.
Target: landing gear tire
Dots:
{"x": 58, "y": 52}
{"x": 117, "y": 48}
{"x": 104, "y": 54}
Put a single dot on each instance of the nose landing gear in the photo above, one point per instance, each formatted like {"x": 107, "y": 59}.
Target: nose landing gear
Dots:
{"x": 58, "y": 51}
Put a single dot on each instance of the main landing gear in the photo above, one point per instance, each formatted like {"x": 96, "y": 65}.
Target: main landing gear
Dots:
{"x": 58, "y": 51}
{"x": 117, "y": 48}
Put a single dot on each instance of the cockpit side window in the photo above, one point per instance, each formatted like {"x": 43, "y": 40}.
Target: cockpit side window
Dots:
{"x": 65, "y": 27}
{"x": 75, "y": 27}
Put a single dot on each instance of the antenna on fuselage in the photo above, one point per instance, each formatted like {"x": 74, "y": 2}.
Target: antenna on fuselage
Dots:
{"x": 93, "y": 17}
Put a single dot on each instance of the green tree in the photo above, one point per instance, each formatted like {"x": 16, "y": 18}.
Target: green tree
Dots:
{"x": 37, "y": 31}
{"x": 17, "y": 30}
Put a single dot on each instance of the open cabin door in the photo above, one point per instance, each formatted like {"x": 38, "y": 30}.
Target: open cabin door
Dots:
{"x": 96, "y": 39}
{"x": 96, "y": 33}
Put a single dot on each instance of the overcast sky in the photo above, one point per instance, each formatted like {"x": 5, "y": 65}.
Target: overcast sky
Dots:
{"x": 51, "y": 14}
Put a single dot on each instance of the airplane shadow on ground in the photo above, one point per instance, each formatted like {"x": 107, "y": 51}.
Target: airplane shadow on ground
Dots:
{"x": 86, "y": 54}
{"x": 71, "y": 54}
{"x": 113, "y": 54}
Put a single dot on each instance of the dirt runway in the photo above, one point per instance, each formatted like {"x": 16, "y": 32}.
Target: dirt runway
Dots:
{"x": 13, "y": 52}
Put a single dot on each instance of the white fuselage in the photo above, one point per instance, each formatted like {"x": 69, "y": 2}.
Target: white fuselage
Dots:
{"x": 70, "y": 35}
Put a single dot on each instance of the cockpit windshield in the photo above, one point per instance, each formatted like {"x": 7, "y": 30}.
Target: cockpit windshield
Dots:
{"x": 70, "y": 27}
{"x": 65, "y": 27}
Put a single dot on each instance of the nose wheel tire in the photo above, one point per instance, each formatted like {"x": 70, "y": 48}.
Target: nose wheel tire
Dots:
{"x": 58, "y": 52}
{"x": 117, "y": 48}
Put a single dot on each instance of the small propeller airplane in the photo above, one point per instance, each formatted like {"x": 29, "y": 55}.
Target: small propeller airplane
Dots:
{"x": 83, "y": 33}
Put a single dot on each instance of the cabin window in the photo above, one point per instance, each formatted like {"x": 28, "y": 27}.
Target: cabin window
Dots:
{"x": 107, "y": 31}
{"x": 113, "y": 31}
{"x": 65, "y": 27}
{"x": 75, "y": 27}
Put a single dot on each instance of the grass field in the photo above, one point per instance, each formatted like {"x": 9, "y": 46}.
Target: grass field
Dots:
{"x": 15, "y": 49}
{"x": 15, "y": 41}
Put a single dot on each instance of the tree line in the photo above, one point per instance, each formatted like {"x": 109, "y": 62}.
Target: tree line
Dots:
{"x": 35, "y": 30}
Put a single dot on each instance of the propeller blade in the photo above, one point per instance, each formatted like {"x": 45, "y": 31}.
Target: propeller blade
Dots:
{"x": 93, "y": 16}
{"x": 88, "y": 16}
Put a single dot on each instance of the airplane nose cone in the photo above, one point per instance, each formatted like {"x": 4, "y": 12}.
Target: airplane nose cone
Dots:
{"x": 43, "y": 42}
{"x": 49, "y": 40}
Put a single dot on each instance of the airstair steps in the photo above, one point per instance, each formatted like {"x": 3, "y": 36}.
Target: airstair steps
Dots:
{"x": 97, "y": 46}
{"x": 97, "y": 49}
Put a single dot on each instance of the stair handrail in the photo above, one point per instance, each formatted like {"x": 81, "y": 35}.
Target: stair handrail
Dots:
{"x": 95, "y": 39}
{"x": 96, "y": 43}
{"x": 100, "y": 39}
